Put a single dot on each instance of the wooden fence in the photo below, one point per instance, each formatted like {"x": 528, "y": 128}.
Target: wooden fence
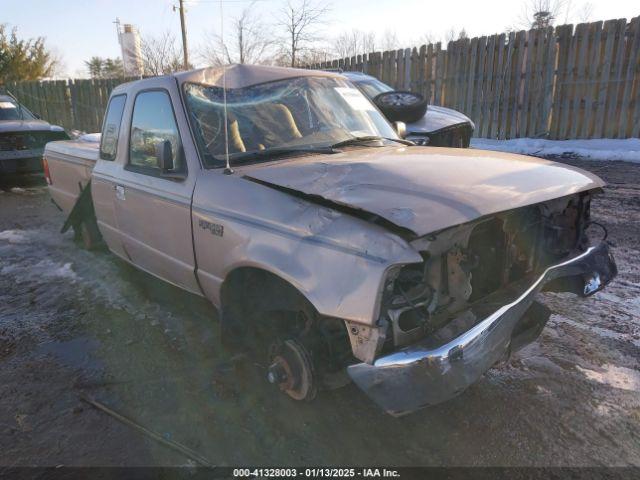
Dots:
{"x": 557, "y": 83}
{"x": 73, "y": 104}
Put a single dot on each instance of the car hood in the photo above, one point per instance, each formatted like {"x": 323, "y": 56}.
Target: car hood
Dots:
{"x": 438, "y": 118}
{"x": 25, "y": 126}
{"x": 424, "y": 189}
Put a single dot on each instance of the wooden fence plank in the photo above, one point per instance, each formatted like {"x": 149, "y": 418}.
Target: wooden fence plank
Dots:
{"x": 487, "y": 74}
{"x": 429, "y": 73}
{"x": 517, "y": 84}
{"x": 613, "y": 114}
{"x": 440, "y": 71}
{"x": 579, "y": 95}
{"x": 549, "y": 68}
{"x": 453, "y": 55}
{"x": 506, "y": 90}
{"x": 569, "y": 86}
{"x": 605, "y": 74}
{"x": 497, "y": 92}
{"x": 633, "y": 66}
{"x": 478, "y": 90}
{"x": 471, "y": 78}
{"x": 525, "y": 112}
{"x": 398, "y": 70}
{"x": 563, "y": 34}
{"x": 463, "y": 73}
{"x": 406, "y": 77}
{"x": 536, "y": 128}
{"x": 591, "y": 79}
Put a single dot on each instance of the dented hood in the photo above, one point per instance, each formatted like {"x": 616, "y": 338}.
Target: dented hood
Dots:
{"x": 425, "y": 189}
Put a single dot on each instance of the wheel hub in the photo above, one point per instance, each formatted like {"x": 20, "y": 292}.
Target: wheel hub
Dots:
{"x": 291, "y": 370}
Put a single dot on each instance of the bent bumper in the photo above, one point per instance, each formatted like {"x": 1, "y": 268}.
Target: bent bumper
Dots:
{"x": 442, "y": 365}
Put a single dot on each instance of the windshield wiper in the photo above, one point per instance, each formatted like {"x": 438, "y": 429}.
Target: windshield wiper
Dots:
{"x": 274, "y": 152}
{"x": 368, "y": 139}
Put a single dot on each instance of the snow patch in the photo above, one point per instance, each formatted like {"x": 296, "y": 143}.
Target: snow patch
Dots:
{"x": 15, "y": 236}
{"x": 90, "y": 137}
{"x": 618, "y": 377}
{"x": 627, "y": 149}
{"x": 63, "y": 271}
{"x": 44, "y": 269}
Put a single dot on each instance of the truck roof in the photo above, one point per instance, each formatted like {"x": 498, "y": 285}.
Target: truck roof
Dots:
{"x": 240, "y": 75}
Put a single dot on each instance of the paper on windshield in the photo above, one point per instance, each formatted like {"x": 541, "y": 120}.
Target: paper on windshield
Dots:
{"x": 7, "y": 105}
{"x": 354, "y": 98}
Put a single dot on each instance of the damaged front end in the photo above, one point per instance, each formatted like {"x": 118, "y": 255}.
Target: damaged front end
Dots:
{"x": 471, "y": 302}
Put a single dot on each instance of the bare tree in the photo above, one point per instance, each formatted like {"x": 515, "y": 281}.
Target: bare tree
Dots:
{"x": 354, "y": 42}
{"x": 161, "y": 55}
{"x": 452, "y": 36}
{"x": 389, "y": 40}
{"x": 251, "y": 43}
{"x": 538, "y": 14}
{"x": 585, "y": 12}
{"x": 300, "y": 20}
{"x": 426, "y": 38}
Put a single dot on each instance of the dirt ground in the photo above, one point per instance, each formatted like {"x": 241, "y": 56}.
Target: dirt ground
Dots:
{"x": 74, "y": 322}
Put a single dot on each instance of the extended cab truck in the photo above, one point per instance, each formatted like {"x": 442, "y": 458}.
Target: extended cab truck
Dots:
{"x": 322, "y": 237}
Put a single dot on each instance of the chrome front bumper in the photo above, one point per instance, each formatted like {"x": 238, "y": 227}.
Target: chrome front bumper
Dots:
{"x": 446, "y": 362}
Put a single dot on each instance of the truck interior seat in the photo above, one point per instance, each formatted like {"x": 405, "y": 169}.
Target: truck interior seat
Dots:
{"x": 266, "y": 125}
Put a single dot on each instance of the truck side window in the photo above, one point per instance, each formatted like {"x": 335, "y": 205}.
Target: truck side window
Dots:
{"x": 153, "y": 122}
{"x": 111, "y": 128}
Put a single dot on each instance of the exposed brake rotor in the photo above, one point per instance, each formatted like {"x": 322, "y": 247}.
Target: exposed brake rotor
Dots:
{"x": 292, "y": 370}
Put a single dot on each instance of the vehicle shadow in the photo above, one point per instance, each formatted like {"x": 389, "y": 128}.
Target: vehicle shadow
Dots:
{"x": 9, "y": 181}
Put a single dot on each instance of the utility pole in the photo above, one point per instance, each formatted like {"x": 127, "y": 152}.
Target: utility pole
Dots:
{"x": 184, "y": 36}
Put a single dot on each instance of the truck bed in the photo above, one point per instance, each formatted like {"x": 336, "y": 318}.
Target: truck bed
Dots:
{"x": 70, "y": 165}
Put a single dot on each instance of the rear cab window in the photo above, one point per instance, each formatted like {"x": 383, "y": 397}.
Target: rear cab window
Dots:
{"x": 111, "y": 127}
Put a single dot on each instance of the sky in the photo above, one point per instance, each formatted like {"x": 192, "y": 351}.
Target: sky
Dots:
{"x": 78, "y": 29}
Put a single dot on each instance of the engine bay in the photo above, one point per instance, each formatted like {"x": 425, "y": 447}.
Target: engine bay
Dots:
{"x": 465, "y": 264}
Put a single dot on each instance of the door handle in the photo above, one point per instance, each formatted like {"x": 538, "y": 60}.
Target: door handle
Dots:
{"x": 119, "y": 192}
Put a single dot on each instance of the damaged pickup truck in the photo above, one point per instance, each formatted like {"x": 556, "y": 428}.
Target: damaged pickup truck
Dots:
{"x": 326, "y": 241}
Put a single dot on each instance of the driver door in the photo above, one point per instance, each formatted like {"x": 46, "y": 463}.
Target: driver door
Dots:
{"x": 153, "y": 211}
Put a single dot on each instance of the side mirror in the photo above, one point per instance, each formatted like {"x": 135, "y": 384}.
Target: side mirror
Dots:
{"x": 164, "y": 156}
{"x": 400, "y": 128}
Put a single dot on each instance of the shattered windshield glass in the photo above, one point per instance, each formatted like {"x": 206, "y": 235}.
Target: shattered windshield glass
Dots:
{"x": 306, "y": 114}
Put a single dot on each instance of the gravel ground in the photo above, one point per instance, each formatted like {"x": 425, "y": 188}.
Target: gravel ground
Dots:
{"x": 74, "y": 322}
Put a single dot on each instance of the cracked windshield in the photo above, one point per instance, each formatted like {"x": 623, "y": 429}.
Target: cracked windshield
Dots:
{"x": 299, "y": 113}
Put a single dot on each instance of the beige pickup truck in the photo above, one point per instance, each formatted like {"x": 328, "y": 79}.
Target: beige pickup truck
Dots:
{"x": 328, "y": 243}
